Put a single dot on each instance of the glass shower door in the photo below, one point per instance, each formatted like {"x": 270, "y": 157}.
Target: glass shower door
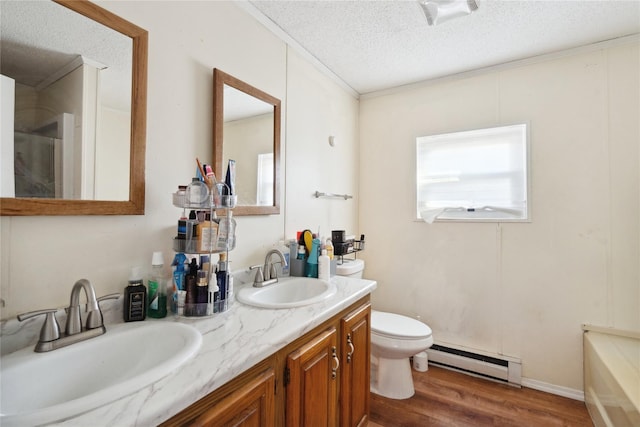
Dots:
{"x": 38, "y": 170}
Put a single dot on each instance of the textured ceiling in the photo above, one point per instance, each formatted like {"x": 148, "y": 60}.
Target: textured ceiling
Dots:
{"x": 39, "y": 38}
{"x": 375, "y": 45}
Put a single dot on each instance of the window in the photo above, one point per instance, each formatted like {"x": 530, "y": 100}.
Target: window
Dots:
{"x": 478, "y": 175}
{"x": 264, "y": 194}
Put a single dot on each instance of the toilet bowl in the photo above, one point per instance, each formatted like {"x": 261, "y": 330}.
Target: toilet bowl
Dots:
{"x": 395, "y": 338}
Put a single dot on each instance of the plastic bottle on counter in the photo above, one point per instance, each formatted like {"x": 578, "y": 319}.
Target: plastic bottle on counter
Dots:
{"x": 191, "y": 291}
{"x": 157, "y": 288}
{"x": 178, "y": 288}
{"x": 329, "y": 248}
{"x": 301, "y": 252}
{"x": 311, "y": 268}
{"x": 222, "y": 279}
{"x": 284, "y": 269}
{"x": 135, "y": 298}
{"x": 324, "y": 266}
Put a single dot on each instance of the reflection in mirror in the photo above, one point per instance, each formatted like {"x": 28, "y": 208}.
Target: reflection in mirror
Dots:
{"x": 248, "y": 139}
{"x": 247, "y": 130}
{"x": 73, "y": 110}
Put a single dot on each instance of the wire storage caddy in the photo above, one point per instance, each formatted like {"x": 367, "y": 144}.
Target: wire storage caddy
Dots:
{"x": 201, "y": 234}
{"x": 345, "y": 245}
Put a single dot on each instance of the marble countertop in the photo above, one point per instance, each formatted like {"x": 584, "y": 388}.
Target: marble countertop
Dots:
{"x": 232, "y": 342}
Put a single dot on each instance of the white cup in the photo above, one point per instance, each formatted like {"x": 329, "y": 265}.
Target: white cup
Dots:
{"x": 421, "y": 362}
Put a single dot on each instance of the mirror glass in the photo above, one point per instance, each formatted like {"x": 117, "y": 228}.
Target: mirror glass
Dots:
{"x": 247, "y": 130}
{"x": 248, "y": 139}
{"x": 74, "y": 79}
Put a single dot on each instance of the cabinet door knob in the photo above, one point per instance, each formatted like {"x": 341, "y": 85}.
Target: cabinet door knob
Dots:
{"x": 351, "y": 348}
{"x": 334, "y": 370}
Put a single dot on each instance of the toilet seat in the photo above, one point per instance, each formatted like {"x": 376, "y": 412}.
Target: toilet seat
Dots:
{"x": 396, "y": 326}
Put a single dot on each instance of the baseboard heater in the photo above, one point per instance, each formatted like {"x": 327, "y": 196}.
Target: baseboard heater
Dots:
{"x": 495, "y": 367}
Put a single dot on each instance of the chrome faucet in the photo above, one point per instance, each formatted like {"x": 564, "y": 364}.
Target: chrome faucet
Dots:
{"x": 268, "y": 274}
{"x": 50, "y": 336}
{"x": 94, "y": 315}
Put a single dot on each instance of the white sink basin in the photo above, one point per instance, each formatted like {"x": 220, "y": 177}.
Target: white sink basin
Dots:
{"x": 288, "y": 292}
{"x": 40, "y": 388}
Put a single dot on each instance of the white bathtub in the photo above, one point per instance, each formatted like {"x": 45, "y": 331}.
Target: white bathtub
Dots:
{"x": 612, "y": 376}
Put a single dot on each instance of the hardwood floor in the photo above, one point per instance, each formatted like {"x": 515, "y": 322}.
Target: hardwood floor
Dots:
{"x": 447, "y": 398}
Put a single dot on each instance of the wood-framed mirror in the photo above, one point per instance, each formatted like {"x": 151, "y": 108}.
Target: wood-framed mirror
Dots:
{"x": 132, "y": 140}
{"x": 246, "y": 128}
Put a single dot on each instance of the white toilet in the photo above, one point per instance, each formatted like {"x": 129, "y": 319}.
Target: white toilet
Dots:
{"x": 394, "y": 339}
{"x": 350, "y": 268}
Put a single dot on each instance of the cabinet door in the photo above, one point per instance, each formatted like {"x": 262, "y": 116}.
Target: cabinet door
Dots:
{"x": 355, "y": 336}
{"x": 252, "y": 405}
{"x": 312, "y": 389}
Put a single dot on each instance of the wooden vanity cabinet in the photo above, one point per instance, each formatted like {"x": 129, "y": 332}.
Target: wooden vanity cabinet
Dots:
{"x": 252, "y": 405}
{"x": 320, "y": 379}
{"x": 328, "y": 374}
{"x": 355, "y": 333}
{"x": 311, "y": 378}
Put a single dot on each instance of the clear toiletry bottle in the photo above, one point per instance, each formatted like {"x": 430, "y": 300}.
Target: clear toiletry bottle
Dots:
{"x": 157, "y": 288}
{"x": 197, "y": 193}
{"x": 135, "y": 298}
{"x": 226, "y": 240}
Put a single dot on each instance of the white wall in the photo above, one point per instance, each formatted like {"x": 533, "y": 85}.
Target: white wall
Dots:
{"x": 318, "y": 108}
{"x": 43, "y": 256}
{"x": 522, "y": 289}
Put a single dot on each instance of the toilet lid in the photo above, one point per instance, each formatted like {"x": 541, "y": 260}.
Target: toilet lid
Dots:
{"x": 396, "y": 325}
{"x": 349, "y": 266}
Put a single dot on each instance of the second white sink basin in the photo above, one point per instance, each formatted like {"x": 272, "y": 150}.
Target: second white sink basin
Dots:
{"x": 40, "y": 388}
{"x": 288, "y": 292}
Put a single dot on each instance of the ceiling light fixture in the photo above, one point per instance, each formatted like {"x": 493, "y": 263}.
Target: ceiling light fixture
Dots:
{"x": 439, "y": 11}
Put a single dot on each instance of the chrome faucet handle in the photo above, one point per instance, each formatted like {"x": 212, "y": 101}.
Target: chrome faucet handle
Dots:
{"x": 108, "y": 296}
{"x": 259, "y": 278}
{"x": 50, "y": 328}
{"x": 94, "y": 318}
{"x": 273, "y": 271}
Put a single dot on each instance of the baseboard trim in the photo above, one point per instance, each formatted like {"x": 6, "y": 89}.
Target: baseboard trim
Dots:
{"x": 571, "y": 393}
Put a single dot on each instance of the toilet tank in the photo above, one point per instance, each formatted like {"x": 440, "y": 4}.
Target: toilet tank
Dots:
{"x": 350, "y": 268}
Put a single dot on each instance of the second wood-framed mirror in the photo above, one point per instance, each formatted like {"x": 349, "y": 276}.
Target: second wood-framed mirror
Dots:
{"x": 246, "y": 128}
{"x": 96, "y": 165}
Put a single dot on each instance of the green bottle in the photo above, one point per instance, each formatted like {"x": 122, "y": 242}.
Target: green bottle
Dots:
{"x": 157, "y": 288}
